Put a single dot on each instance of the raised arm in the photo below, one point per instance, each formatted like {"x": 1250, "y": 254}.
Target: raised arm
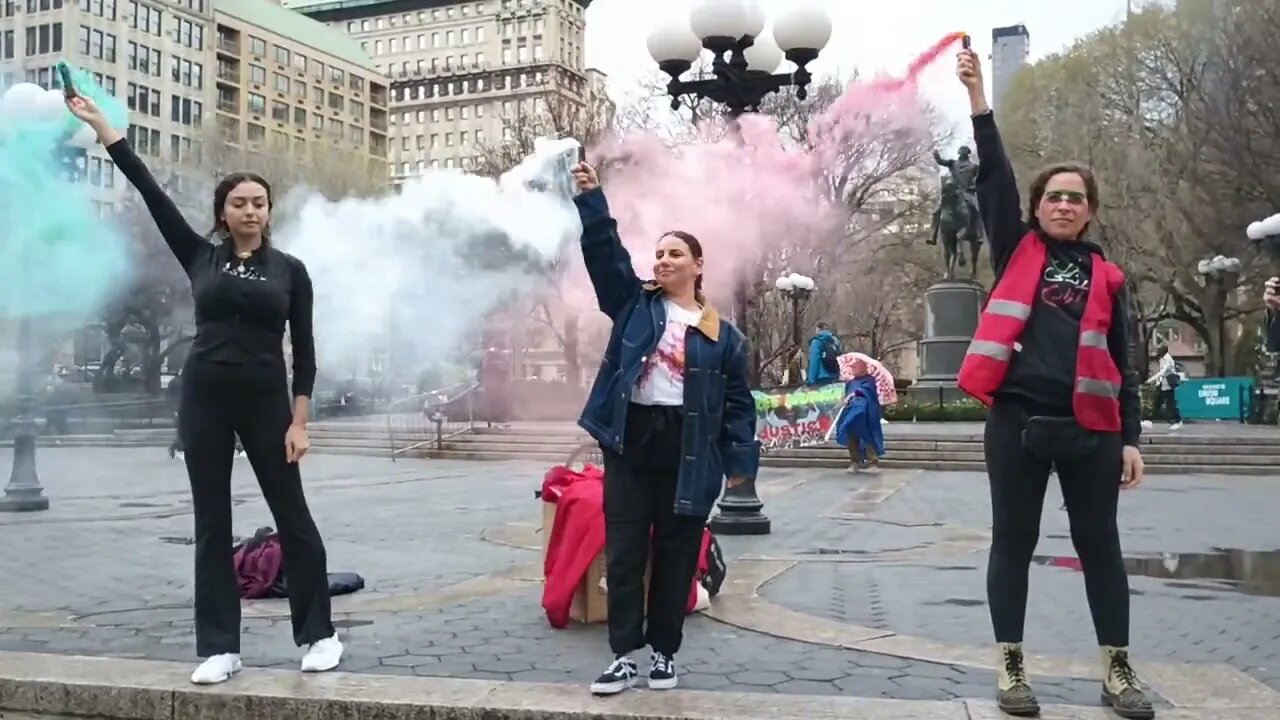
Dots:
{"x": 998, "y": 198}
{"x": 608, "y": 262}
{"x": 185, "y": 243}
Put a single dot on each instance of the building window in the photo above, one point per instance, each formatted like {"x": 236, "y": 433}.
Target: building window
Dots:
{"x": 257, "y": 104}
{"x": 257, "y": 46}
{"x": 282, "y": 56}
{"x": 257, "y": 75}
{"x": 279, "y": 111}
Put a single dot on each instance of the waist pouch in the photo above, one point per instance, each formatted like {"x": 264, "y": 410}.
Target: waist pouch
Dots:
{"x": 1057, "y": 438}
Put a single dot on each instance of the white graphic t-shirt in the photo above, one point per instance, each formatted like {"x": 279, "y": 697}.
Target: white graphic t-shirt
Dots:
{"x": 661, "y": 382}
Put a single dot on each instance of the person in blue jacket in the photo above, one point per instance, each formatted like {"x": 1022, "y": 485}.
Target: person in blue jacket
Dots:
{"x": 824, "y": 349}
{"x": 858, "y": 427}
{"x": 674, "y": 416}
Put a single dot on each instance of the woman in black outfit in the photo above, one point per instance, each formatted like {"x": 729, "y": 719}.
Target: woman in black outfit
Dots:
{"x": 235, "y": 383}
{"x": 1051, "y": 358}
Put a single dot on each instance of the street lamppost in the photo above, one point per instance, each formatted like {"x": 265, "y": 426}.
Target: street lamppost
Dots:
{"x": 743, "y": 65}
{"x": 743, "y": 60}
{"x": 798, "y": 288}
{"x": 23, "y": 493}
{"x": 1266, "y": 234}
{"x": 1216, "y": 271}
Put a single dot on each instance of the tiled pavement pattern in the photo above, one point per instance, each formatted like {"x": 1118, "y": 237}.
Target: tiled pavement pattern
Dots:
{"x": 1177, "y": 620}
{"x": 413, "y": 527}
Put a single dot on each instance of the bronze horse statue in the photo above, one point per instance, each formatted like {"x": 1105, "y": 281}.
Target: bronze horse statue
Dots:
{"x": 956, "y": 221}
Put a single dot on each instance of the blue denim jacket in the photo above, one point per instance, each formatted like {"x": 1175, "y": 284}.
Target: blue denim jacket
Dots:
{"x": 719, "y": 412}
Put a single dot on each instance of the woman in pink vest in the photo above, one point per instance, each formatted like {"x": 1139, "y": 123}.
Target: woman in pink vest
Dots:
{"x": 1051, "y": 359}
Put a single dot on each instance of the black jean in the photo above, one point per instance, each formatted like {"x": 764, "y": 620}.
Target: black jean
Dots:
{"x": 1167, "y": 398}
{"x": 220, "y": 402}
{"x": 1091, "y": 488}
{"x": 639, "y": 513}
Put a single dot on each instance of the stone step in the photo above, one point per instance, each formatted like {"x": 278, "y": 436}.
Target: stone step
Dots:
{"x": 917, "y": 462}
{"x": 895, "y": 444}
{"x": 1246, "y": 442}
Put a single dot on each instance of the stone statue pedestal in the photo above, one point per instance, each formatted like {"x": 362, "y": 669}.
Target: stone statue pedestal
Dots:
{"x": 951, "y": 315}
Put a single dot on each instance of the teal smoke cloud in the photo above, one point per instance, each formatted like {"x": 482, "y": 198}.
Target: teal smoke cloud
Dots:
{"x": 60, "y": 258}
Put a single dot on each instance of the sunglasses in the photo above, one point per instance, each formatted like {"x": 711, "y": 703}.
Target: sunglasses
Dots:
{"x": 1070, "y": 197}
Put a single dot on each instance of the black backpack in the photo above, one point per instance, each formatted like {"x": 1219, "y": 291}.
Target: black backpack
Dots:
{"x": 717, "y": 568}
{"x": 830, "y": 356}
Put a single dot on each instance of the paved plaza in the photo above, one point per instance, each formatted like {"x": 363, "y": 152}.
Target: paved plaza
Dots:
{"x": 870, "y": 587}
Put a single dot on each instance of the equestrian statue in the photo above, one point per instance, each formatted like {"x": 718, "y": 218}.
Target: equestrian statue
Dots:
{"x": 957, "y": 219}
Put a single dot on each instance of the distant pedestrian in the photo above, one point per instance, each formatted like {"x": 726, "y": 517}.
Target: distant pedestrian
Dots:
{"x": 824, "y": 356}
{"x": 1167, "y": 379}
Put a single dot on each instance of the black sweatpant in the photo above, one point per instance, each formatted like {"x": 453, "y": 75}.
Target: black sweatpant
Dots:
{"x": 1091, "y": 488}
{"x": 219, "y": 402}
{"x": 1169, "y": 399}
{"x": 639, "y": 513}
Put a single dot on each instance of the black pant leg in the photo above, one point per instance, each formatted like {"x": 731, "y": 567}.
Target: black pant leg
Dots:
{"x": 205, "y": 433}
{"x": 1018, "y": 480}
{"x": 1091, "y": 488}
{"x": 677, "y": 540}
{"x": 628, "y": 517}
{"x": 261, "y": 426}
{"x": 1175, "y": 415}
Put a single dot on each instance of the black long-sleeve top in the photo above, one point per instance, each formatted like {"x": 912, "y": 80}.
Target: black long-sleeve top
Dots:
{"x": 241, "y": 307}
{"x": 1043, "y": 370}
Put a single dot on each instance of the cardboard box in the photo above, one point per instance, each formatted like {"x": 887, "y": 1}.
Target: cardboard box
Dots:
{"x": 591, "y": 599}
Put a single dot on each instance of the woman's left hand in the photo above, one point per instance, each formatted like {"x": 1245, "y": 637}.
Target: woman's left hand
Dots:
{"x": 296, "y": 443}
{"x": 1133, "y": 467}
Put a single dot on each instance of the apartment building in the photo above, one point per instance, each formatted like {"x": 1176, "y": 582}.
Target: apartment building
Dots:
{"x": 463, "y": 72}
{"x": 288, "y": 84}
{"x": 160, "y": 56}
{"x": 154, "y": 55}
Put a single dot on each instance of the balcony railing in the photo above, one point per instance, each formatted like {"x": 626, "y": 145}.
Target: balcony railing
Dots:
{"x": 229, "y": 45}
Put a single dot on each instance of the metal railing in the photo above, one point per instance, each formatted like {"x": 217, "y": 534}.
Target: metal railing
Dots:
{"x": 429, "y": 419}
{"x": 96, "y": 418}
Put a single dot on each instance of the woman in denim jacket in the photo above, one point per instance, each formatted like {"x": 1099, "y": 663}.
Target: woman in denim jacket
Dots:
{"x": 674, "y": 416}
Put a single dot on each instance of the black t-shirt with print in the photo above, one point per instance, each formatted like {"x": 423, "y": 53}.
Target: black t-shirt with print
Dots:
{"x": 1041, "y": 369}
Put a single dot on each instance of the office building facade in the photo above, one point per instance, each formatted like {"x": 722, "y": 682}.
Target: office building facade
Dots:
{"x": 290, "y": 86}
{"x": 1010, "y": 51}
{"x": 462, "y": 73}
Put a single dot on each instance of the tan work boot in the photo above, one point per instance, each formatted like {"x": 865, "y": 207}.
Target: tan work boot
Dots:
{"x": 1120, "y": 686}
{"x": 1013, "y": 690}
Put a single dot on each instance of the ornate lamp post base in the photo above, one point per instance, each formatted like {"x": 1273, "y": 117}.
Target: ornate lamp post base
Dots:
{"x": 740, "y": 512}
{"x": 24, "y": 493}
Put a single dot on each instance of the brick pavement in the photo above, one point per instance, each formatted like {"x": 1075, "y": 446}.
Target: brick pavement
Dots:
{"x": 1178, "y": 620}
{"x": 100, "y": 550}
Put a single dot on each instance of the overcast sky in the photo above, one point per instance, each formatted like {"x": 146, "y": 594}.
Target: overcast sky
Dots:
{"x": 869, "y": 36}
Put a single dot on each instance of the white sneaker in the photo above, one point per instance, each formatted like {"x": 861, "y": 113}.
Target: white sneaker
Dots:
{"x": 216, "y": 669}
{"x": 323, "y": 655}
{"x": 180, "y": 455}
{"x": 1175, "y": 426}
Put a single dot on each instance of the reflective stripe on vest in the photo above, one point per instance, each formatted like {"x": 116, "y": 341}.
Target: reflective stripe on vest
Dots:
{"x": 991, "y": 349}
{"x": 1094, "y": 339}
{"x": 1101, "y": 388}
{"x": 1009, "y": 308}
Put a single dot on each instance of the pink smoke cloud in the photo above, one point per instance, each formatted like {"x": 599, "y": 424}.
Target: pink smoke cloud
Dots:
{"x": 747, "y": 190}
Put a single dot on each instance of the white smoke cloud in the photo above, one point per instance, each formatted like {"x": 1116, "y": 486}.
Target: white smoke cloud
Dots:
{"x": 425, "y": 266}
